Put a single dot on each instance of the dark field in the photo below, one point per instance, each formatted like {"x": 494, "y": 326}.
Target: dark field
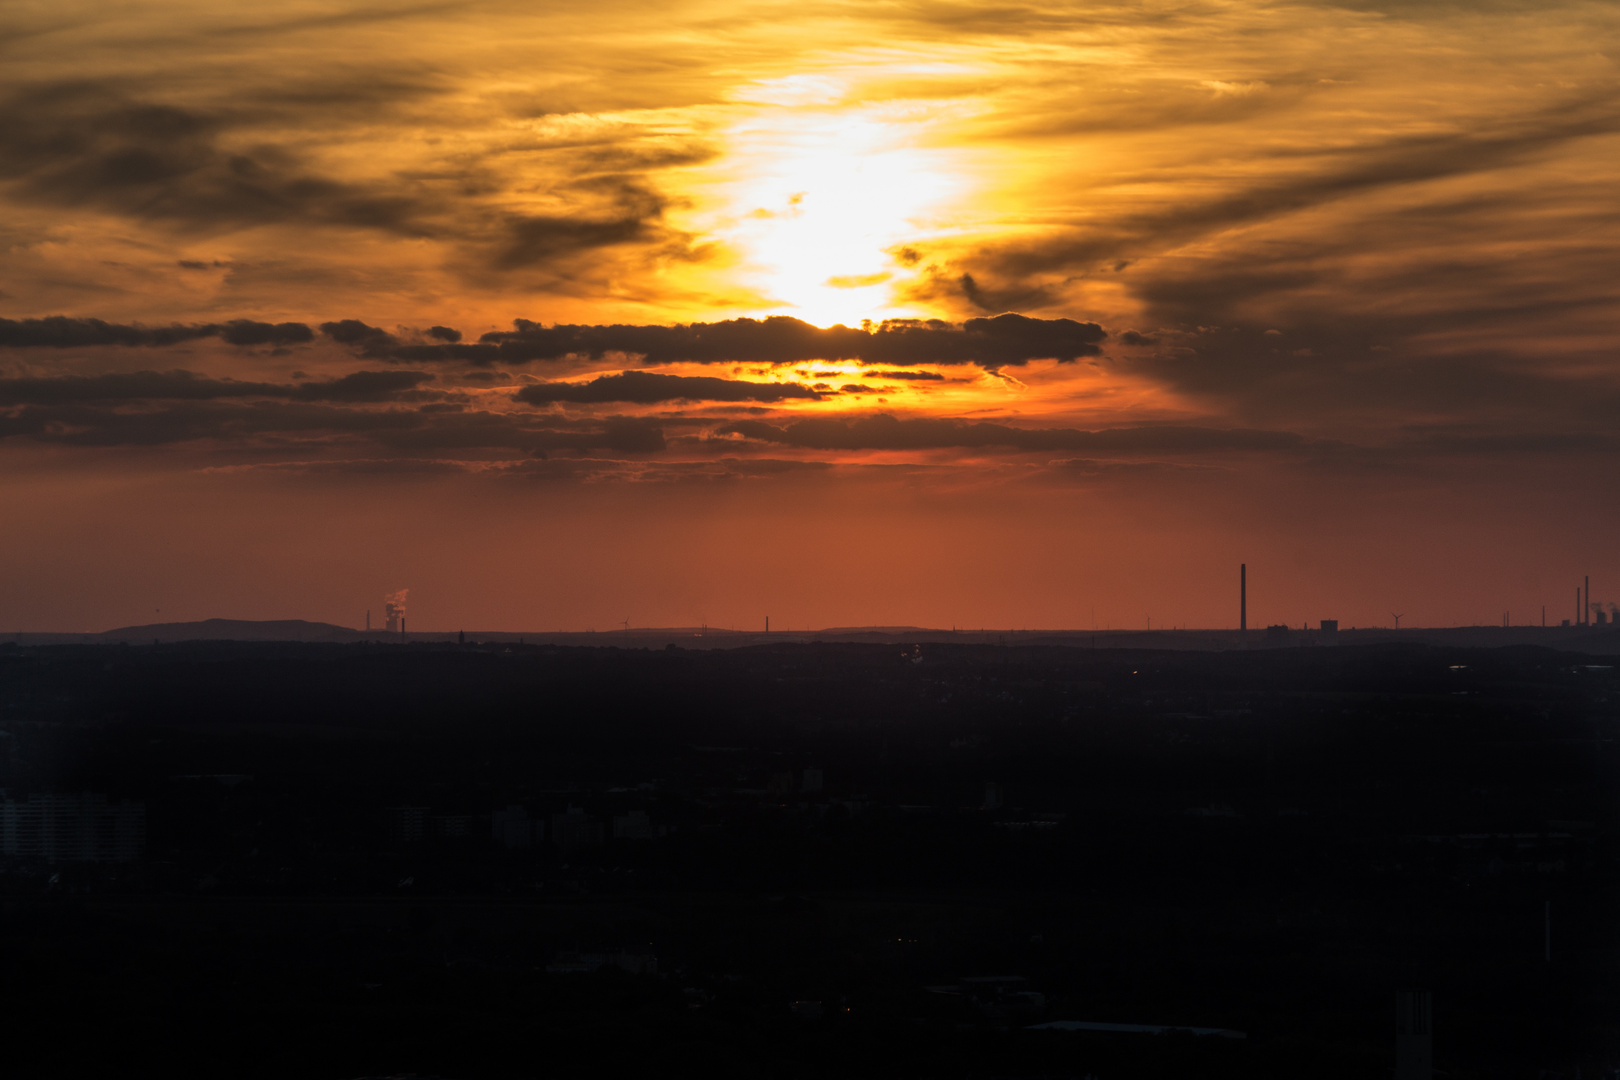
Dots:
{"x": 784, "y": 859}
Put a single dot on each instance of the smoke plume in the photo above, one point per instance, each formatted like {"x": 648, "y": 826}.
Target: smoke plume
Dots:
{"x": 394, "y": 610}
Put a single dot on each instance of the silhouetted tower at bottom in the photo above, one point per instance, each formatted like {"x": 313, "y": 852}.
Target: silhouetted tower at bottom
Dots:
{"x": 1243, "y": 602}
{"x": 1414, "y": 1036}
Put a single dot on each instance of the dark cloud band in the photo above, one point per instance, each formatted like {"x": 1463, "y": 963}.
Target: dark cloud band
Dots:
{"x": 358, "y": 387}
{"x": 62, "y": 332}
{"x": 1003, "y": 341}
{"x": 886, "y": 432}
{"x": 648, "y": 388}
{"x": 313, "y": 424}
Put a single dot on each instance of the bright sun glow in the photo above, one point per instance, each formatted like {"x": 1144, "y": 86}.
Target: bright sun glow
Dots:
{"x": 824, "y": 202}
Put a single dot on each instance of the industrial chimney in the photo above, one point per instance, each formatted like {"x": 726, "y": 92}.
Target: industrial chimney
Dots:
{"x": 1243, "y": 601}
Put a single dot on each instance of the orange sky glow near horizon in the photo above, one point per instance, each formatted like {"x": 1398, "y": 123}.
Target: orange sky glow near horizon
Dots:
{"x": 1042, "y": 315}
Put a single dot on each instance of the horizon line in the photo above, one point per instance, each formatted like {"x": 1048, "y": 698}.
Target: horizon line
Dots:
{"x": 703, "y": 630}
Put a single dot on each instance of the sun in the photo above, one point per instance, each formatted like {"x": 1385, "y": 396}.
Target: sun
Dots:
{"x": 825, "y": 200}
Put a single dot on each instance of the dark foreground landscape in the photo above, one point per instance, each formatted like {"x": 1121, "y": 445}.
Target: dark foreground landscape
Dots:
{"x": 806, "y": 860}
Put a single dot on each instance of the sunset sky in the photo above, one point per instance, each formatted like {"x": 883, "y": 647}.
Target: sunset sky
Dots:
{"x": 1054, "y": 313}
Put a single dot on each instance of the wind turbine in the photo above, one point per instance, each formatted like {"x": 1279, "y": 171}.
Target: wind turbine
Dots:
{"x": 1397, "y": 620}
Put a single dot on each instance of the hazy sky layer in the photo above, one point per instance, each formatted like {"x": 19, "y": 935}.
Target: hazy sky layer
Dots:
{"x": 846, "y": 313}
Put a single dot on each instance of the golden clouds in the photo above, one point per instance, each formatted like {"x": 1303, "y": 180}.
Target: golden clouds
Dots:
{"x": 1409, "y": 192}
{"x": 681, "y": 161}
{"x": 1315, "y": 255}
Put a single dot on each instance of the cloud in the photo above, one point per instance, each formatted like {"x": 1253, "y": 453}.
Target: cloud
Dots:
{"x": 479, "y": 430}
{"x": 624, "y": 434}
{"x": 646, "y": 388}
{"x": 909, "y": 376}
{"x": 228, "y": 422}
{"x": 83, "y": 144}
{"x": 359, "y": 387}
{"x": 886, "y": 432}
{"x": 362, "y": 386}
{"x": 1006, "y": 340}
{"x": 1391, "y": 161}
{"x": 263, "y": 167}
{"x": 134, "y": 386}
{"x": 355, "y": 332}
{"x": 1371, "y": 371}
{"x": 472, "y": 354}
{"x": 1102, "y": 468}
{"x": 62, "y": 332}
{"x": 528, "y": 240}
{"x": 1516, "y": 443}
{"x": 989, "y": 298}
{"x": 247, "y": 332}
{"x": 314, "y": 424}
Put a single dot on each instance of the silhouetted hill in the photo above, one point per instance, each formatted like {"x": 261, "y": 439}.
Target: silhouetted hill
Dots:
{"x": 235, "y": 630}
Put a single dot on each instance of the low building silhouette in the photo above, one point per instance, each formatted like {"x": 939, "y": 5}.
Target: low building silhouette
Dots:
{"x": 86, "y": 827}
{"x": 1414, "y": 1036}
{"x": 512, "y": 828}
{"x": 635, "y": 825}
{"x": 573, "y": 830}
{"x": 583, "y": 963}
{"x": 407, "y": 824}
{"x": 1002, "y": 995}
{"x": 450, "y": 825}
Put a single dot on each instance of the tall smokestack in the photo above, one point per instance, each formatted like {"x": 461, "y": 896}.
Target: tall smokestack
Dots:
{"x": 1586, "y": 607}
{"x": 1243, "y": 600}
